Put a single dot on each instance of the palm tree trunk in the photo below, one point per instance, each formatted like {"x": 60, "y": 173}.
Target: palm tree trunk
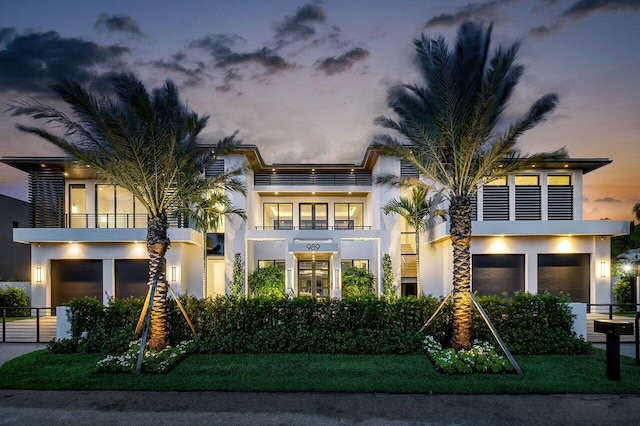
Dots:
{"x": 157, "y": 244}
{"x": 460, "y": 216}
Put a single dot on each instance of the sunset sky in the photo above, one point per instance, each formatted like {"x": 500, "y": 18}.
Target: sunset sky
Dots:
{"x": 304, "y": 80}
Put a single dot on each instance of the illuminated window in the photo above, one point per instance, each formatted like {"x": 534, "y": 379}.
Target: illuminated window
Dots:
{"x": 358, "y": 263}
{"x": 559, "y": 180}
{"x": 501, "y": 181}
{"x": 348, "y": 215}
{"x": 277, "y": 216}
{"x": 527, "y": 180}
{"x": 77, "y": 206}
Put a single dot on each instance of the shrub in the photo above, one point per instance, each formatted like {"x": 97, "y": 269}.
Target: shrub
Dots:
{"x": 14, "y": 297}
{"x": 531, "y": 324}
{"x": 623, "y": 293}
{"x": 267, "y": 282}
{"x": 236, "y": 285}
{"x": 101, "y": 329}
{"x": 389, "y": 290}
{"x": 357, "y": 282}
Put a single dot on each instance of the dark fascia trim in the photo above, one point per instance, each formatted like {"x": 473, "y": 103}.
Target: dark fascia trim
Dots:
{"x": 257, "y": 163}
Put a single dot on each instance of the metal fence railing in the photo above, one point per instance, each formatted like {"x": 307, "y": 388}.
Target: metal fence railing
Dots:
{"x": 20, "y": 326}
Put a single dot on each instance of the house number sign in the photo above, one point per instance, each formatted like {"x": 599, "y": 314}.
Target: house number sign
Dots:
{"x": 313, "y": 247}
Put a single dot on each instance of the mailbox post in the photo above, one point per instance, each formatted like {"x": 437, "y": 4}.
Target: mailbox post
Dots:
{"x": 613, "y": 329}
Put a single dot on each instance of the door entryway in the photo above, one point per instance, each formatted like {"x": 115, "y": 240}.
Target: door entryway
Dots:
{"x": 313, "y": 278}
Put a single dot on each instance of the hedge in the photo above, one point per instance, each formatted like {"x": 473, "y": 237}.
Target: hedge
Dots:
{"x": 529, "y": 324}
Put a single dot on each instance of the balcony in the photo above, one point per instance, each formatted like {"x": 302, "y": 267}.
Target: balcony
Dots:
{"x": 115, "y": 220}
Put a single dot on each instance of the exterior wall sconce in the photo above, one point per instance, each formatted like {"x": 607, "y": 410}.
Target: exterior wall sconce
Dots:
{"x": 603, "y": 269}
{"x": 38, "y": 274}
{"x": 173, "y": 274}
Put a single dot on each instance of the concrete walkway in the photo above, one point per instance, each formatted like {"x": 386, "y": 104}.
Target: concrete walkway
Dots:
{"x": 9, "y": 351}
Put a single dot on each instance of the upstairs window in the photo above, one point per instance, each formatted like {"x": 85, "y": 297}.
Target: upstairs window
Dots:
{"x": 528, "y": 197}
{"x": 348, "y": 215}
{"x": 278, "y": 216}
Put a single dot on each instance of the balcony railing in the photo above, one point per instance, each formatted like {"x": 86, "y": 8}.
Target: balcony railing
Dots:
{"x": 115, "y": 220}
{"x": 318, "y": 228}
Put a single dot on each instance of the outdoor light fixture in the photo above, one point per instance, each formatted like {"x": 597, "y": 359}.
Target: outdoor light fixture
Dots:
{"x": 38, "y": 274}
{"x": 173, "y": 274}
{"x": 603, "y": 269}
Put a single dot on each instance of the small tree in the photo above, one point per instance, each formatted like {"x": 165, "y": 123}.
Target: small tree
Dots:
{"x": 267, "y": 282}
{"x": 357, "y": 282}
{"x": 236, "y": 286}
{"x": 389, "y": 290}
{"x": 623, "y": 293}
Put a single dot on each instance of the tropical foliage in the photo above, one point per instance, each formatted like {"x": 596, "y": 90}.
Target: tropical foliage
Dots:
{"x": 357, "y": 282}
{"x": 450, "y": 129}
{"x": 147, "y": 143}
{"x": 421, "y": 212}
{"x": 267, "y": 282}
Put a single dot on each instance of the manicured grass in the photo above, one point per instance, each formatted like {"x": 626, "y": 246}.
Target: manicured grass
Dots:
{"x": 323, "y": 373}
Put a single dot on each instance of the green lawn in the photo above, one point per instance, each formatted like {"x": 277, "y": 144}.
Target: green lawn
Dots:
{"x": 14, "y": 319}
{"x": 323, "y": 373}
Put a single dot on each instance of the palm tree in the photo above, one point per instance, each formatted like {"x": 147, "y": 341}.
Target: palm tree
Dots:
{"x": 421, "y": 213}
{"x": 207, "y": 211}
{"x": 144, "y": 142}
{"x": 450, "y": 132}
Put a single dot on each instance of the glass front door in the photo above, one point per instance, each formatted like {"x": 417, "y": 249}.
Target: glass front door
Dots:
{"x": 313, "y": 278}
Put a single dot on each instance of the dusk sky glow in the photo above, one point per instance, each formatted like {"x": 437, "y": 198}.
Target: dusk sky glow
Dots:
{"x": 303, "y": 81}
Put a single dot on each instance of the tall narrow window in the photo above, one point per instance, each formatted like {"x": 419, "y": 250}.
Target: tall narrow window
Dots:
{"x": 348, "y": 215}
{"x": 277, "y": 216}
{"x": 77, "y": 206}
{"x": 105, "y": 206}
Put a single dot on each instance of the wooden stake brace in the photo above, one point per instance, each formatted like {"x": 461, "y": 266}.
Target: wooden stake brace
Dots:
{"x": 487, "y": 321}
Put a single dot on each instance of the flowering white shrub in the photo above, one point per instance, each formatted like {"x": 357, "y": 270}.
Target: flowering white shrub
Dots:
{"x": 153, "y": 362}
{"x": 480, "y": 358}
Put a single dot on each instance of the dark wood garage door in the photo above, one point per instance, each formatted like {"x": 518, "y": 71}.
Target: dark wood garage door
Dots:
{"x": 494, "y": 274}
{"x": 566, "y": 273}
{"x": 131, "y": 277}
{"x": 75, "y": 279}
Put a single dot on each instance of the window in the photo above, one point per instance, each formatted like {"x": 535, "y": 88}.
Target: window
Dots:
{"x": 358, "y": 263}
{"x": 559, "y": 180}
{"x": 348, "y": 215}
{"x": 266, "y": 263}
{"x": 501, "y": 181}
{"x": 527, "y": 180}
{"x": 117, "y": 208}
{"x": 277, "y": 216}
{"x": 314, "y": 216}
{"x": 215, "y": 243}
{"x": 77, "y": 206}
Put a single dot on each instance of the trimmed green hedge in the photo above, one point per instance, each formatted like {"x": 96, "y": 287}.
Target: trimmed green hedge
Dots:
{"x": 14, "y": 297}
{"x": 529, "y": 324}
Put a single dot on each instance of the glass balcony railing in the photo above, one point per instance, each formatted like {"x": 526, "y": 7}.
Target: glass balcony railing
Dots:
{"x": 115, "y": 220}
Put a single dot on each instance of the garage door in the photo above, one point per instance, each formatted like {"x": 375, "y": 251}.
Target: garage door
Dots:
{"x": 75, "y": 279}
{"x": 564, "y": 273}
{"x": 131, "y": 277}
{"x": 494, "y": 274}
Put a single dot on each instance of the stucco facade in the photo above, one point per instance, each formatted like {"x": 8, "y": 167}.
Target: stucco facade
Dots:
{"x": 313, "y": 220}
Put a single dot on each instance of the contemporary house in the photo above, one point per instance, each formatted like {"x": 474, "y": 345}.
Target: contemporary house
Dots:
{"x": 87, "y": 235}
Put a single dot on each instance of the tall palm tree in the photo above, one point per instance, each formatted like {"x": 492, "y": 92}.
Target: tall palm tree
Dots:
{"x": 451, "y": 132}
{"x": 421, "y": 212}
{"x": 144, "y": 142}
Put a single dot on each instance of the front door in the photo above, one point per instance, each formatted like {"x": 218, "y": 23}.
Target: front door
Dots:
{"x": 313, "y": 278}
